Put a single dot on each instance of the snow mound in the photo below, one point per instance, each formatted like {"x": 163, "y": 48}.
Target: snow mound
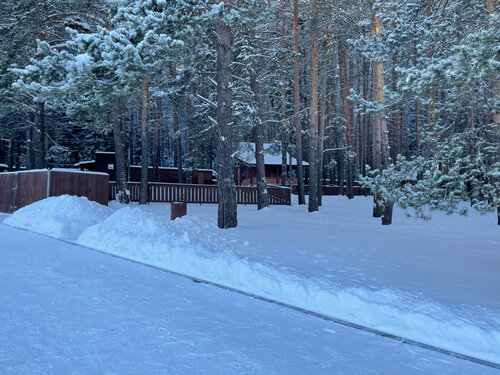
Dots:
{"x": 63, "y": 217}
{"x": 184, "y": 246}
{"x": 132, "y": 233}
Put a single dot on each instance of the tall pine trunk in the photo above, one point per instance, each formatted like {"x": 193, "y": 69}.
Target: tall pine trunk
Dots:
{"x": 177, "y": 144}
{"x": 347, "y": 114}
{"x": 177, "y": 135}
{"x": 365, "y": 132}
{"x": 262, "y": 195}
{"x": 313, "y": 116}
{"x": 227, "y": 212}
{"x": 143, "y": 193}
{"x": 381, "y": 157}
{"x": 43, "y": 130}
{"x": 156, "y": 151}
{"x": 39, "y": 136}
{"x": 296, "y": 95}
{"x": 122, "y": 194}
{"x": 495, "y": 115}
{"x": 323, "y": 121}
{"x": 189, "y": 119}
{"x": 29, "y": 145}
{"x": 284, "y": 127}
{"x": 396, "y": 130}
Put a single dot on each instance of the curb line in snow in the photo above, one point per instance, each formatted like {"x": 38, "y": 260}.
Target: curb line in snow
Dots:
{"x": 292, "y": 307}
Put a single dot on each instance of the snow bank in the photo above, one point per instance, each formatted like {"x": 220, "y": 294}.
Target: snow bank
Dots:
{"x": 63, "y": 217}
{"x": 193, "y": 246}
{"x": 184, "y": 246}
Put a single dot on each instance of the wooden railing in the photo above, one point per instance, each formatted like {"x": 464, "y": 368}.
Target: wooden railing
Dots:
{"x": 191, "y": 193}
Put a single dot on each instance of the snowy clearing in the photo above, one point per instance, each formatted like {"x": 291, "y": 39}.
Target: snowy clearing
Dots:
{"x": 68, "y": 310}
{"x": 435, "y": 282}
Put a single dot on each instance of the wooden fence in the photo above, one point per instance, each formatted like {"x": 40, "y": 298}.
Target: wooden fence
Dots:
{"x": 19, "y": 189}
{"x": 190, "y": 193}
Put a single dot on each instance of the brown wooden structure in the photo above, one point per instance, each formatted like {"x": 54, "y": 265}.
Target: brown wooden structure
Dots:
{"x": 105, "y": 163}
{"x": 191, "y": 193}
{"x": 246, "y": 175}
{"x": 177, "y": 209}
{"x": 19, "y": 189}
{"x": 246, "y": 169}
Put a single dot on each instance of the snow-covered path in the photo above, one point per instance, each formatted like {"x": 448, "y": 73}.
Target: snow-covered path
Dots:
{"x": 69, "y": 310}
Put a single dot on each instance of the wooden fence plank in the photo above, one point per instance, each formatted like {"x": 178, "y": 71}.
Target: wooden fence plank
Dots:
{"x": 20, "y": 189}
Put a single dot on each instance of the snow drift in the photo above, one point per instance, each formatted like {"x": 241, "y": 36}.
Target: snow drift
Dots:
{"x": 184, "y": 246}
{"x": 63, "y": 217}
{"x": 193, "y": 246}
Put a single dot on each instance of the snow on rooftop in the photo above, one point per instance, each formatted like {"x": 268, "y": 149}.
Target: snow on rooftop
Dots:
{"x": 247, "y": 155}
{"x": 84, "y": 162}
{"x": 72, "y": 170}
{"x": 26, "y": 171}
{"x": 175, "y": 168}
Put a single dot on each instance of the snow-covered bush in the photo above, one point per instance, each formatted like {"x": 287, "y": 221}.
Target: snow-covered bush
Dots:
{"x": 456, "y": 168}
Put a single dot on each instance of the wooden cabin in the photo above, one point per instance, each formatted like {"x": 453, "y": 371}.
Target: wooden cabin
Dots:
{"x": 246, "y": 171}
{"x": 105, "y": 162}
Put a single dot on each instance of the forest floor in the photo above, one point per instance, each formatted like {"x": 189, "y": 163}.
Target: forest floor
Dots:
{"x": 435, "y": 282}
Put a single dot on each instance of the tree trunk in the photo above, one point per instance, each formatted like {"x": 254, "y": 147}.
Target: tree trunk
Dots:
{"x": 122, "y": 194}
{"x": 177, "y": 135}
{"x": 12, "y": 162}
{"x": 143, "y": 194}
{"x": 495, "y": 115}
{"x": 156, "y": 151}
{"x": 322, "y": 124}
{"x": 365, "y": 132}
{"x": 381, "y": 140}
{"x": 397, "y": 121}
{"x": 189, "y": 119}
{"x": 43, "y": 149}
{"x": 262, "y": 195}
{"x": 131, "y": 144}
{"x": 2, "y": 152}
{"x": 284, "y": 127}
{"x": 313, "y": 116}
{"x": 177, "y": 144}
{"x": 29, "y": 145}
{"x": 39, "y": 136}
{"x": 347, "y": 114}
{"x": 227, "y": 212}
{"x": 296, "y": 94}
{"x": 17, "y": 153}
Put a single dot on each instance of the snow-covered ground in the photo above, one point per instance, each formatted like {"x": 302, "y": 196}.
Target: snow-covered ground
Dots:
{"x": 435, "y": 282}
{"x": 65, "y": 309}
